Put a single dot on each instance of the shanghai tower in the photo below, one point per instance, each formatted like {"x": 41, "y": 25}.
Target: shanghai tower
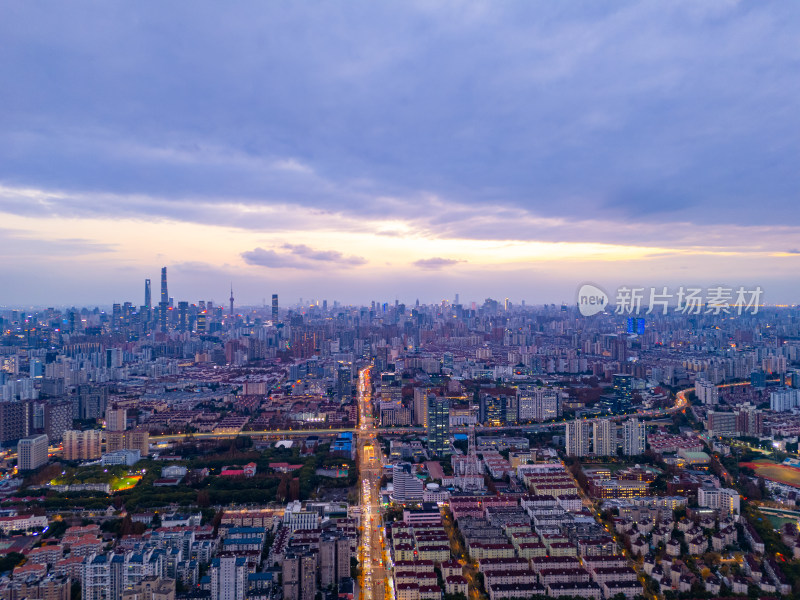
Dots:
{"x": 164, "y": 304}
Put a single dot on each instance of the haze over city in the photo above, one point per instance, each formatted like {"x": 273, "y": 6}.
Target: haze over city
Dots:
{"x": 396, "y": 150}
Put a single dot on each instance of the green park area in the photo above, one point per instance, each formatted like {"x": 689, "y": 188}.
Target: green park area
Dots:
{"x": 119, "y": 484}
{"x": 779, "y": 521}
{"x": 119, "y": 477}
{"x": 132, "y": 487}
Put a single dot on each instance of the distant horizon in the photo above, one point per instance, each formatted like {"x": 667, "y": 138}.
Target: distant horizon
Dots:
{"x": 314, "y": 302}
{"x": 179, "y": 278}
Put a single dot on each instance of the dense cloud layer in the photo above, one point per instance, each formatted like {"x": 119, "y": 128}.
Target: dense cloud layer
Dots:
{"x": 670, "y": 124}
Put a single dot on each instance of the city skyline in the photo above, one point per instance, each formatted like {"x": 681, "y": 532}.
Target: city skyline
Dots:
{"x": 514, "y": 150}
{"x": 628, "y": 304}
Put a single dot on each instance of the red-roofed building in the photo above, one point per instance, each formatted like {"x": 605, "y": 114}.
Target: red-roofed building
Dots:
{"x": 46, "y": 555}
{"x": 72, "y": 566}
{"x": 22, "y": 523}
{"x": 29, "y": 568}
{"x": 83, "y": 545}
{"x": 407, "y": 591}
{"x": 249, "y": 470}
{"x": 430, "y": 592}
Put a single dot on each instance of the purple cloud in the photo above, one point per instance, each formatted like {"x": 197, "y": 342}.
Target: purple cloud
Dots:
{"x": 299, "y": 256}
{"x": 436, "y": 263}
{"x": 303, "y": 251}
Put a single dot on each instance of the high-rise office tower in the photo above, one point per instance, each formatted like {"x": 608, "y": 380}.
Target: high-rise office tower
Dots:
{"x": 438, "y": 425}
{"x": 201, "y": 322}
{"x": 274, "y": 308}
{"x": 494, "y": 410}
{"x": 162, "y": 306}
{"x": 605, "y": 438}
{"x": 420, "y": 408}
{"x": 344, "y": 382}
{"x": 183, "y": 309}
{"x": 633, "y": 437}
{"x": 231, "y": 300}
{"x": 512, "y": 409}
{"x": 578, "y": 436}
{"x": 148, "y": 296}
{"x": 623, "y": 387}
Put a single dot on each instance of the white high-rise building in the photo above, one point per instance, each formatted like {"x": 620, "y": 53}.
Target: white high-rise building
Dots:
{"x": 707, "y": 393}
{"x": 407, "y": 487}
{"x": 578, "y": 437}
{"x": 633, "y": 437}
{"x": 96, "y": 577}
{"x": 537, "y": 403}
{"x": 605, "y": 438}
{"x": 229, "y": 578}
{"x": 784, "y": 399}
{"x": 467, "y": 472}
{"x": 724, "y": 499}
{"x": 295, "y": 517}
{"x": 32, "y": 452}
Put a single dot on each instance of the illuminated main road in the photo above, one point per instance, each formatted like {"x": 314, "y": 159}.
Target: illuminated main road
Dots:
{"x": 370, "y": 466}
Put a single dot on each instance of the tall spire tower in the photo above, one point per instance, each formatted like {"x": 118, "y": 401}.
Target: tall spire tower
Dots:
{"x": 231, "y": 299}
{"x": 164, "y": 304}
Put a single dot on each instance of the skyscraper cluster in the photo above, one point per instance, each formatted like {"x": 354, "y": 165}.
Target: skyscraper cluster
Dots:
{"x": 203, "y": 317}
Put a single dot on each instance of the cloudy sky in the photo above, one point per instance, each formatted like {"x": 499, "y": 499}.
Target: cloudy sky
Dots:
{"x": 381, "y": 150}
